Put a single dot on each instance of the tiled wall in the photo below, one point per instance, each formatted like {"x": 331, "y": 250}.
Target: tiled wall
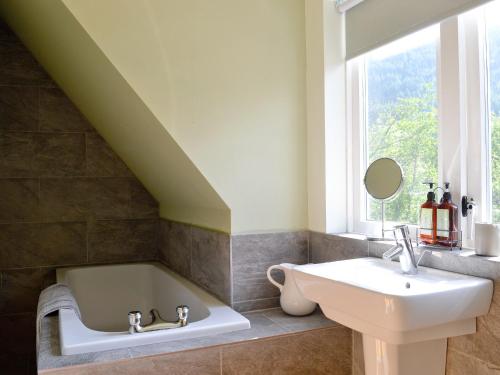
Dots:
{"x": 65, "y": 197}
{"x": 252, "y": 255}
{"x": 202, "y": 256}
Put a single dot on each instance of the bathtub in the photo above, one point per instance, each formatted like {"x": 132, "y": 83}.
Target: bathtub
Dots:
{"x": 105, "y": 295}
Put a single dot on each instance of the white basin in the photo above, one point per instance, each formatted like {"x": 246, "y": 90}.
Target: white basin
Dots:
{"x": 399, "y": 315}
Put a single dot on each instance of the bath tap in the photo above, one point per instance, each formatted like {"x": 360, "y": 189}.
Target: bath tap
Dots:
{"x": 404, "y": 249}
{"x": 157, "y": 323}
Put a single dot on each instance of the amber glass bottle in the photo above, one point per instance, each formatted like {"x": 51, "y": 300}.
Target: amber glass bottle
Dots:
{"x": 428, "y": 217}
{"x": 447, "y": 220}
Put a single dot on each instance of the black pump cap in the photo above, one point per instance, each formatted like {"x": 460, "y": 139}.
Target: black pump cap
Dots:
{"x": 446, "y": 194}
{"x": 431, "y": 196}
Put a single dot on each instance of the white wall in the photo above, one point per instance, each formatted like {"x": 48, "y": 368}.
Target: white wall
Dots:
{"x": 326, "y": 117}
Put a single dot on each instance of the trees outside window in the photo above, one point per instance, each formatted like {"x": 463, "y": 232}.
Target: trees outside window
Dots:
{"x": 402, "y": 119}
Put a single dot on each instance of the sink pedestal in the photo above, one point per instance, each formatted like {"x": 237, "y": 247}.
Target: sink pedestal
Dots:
{"x": 405, "y": 319}
{"x": 425, "y": 357}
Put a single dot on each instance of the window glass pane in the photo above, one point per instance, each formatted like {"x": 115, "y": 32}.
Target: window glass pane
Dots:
{"x": 493, "y": 36}
{"x": 401, "y": 118}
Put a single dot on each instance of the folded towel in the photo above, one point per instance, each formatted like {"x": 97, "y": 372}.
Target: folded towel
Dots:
{"x": 54, "y": 298}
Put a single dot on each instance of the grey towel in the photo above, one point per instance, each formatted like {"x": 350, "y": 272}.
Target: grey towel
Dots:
{"x": 54, "y": 298}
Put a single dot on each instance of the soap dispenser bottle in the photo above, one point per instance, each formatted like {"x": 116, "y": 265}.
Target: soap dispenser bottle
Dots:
{"x": 447, "y": 220}
{"x": 428, "y": 217}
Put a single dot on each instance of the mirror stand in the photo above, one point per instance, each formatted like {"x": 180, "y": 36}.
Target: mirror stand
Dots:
{"x": 383, "y": 181}
{"x": 382, "y": 210}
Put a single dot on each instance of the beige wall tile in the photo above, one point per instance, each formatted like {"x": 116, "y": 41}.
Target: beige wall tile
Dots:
{"x": 459, "y": 364}
{"x": 305, "y": 353}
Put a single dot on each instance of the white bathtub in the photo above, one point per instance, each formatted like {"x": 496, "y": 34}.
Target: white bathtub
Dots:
{"x": 105, "y": 295}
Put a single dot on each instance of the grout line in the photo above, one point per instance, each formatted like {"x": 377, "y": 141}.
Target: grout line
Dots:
{"x": 83, "y": 220}
{"x": 67, "y": 177}
{"x": 220, "y": 359}
{"x": 309, "y": 257}
{"x": 38, "y": 110}
{"x": 87, "y": 230}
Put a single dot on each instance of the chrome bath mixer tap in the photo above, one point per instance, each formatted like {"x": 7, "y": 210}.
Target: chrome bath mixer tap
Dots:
{"x": 157, "y": 323}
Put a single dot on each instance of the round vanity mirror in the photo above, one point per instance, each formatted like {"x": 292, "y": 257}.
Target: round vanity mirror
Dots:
{"x": 383, "y": 181}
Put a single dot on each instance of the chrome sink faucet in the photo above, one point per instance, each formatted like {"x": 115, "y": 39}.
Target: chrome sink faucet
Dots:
{"x": 404, "y": 249}
{"x": 157, "y": 323}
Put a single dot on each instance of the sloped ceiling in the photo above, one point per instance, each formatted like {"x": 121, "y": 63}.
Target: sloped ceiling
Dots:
{"x": 78, "y": 65}
{"x": 204, "y": 100}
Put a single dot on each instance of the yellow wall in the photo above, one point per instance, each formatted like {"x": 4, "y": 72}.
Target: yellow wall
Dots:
{"x": 224, "y": 79}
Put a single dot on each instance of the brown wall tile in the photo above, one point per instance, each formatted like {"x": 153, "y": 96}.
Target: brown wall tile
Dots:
{"x": 18, "y": 108}
{"x": 42, "y": 244}
{"x": 19, "y": 67}
{"x": 58, "y": 113}
{"x": 142, "y": 204}
{"x": 330, "y": 247}
{"x": 122, "y": 240}
{"x": 102, "y": 160}
{"x": 305, "y": 353}
{"x": 253, "y": 254}
{"x": 19, "y": 200}
{"x": 20, "y": 290}
{"x": 175, "y": 247}
{"x": 18, "y": 330}
{"x": 59, "y": 155}
{"x": 256, "y": 304}
{"x": 211, "y": 262}
{"x": 17, "y": 152}
{"x": 195, "y": 362}
{"x": 50, "y": 157}
{"x": 84, "y": 198}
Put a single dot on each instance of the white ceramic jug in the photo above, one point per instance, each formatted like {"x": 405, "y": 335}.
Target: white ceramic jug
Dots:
{"x": 292, "y": 301}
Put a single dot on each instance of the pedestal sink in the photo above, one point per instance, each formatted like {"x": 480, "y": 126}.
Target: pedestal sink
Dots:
{"x": 405, "y": 320}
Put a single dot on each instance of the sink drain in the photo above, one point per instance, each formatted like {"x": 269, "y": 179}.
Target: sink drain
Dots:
{"x": 407, "y": 285}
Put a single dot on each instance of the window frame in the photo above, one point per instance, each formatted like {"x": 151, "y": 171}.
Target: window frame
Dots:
{"x": 463, "y": 108}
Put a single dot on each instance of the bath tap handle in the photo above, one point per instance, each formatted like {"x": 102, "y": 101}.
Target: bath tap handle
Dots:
{"x": 182, "y": 314}
{"x": 134, "y": 320}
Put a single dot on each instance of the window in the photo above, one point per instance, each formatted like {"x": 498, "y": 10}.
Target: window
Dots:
{"x": 431, "y": 101}
{"x": 401, "y": 118}
{"x": 492, "y": 15}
